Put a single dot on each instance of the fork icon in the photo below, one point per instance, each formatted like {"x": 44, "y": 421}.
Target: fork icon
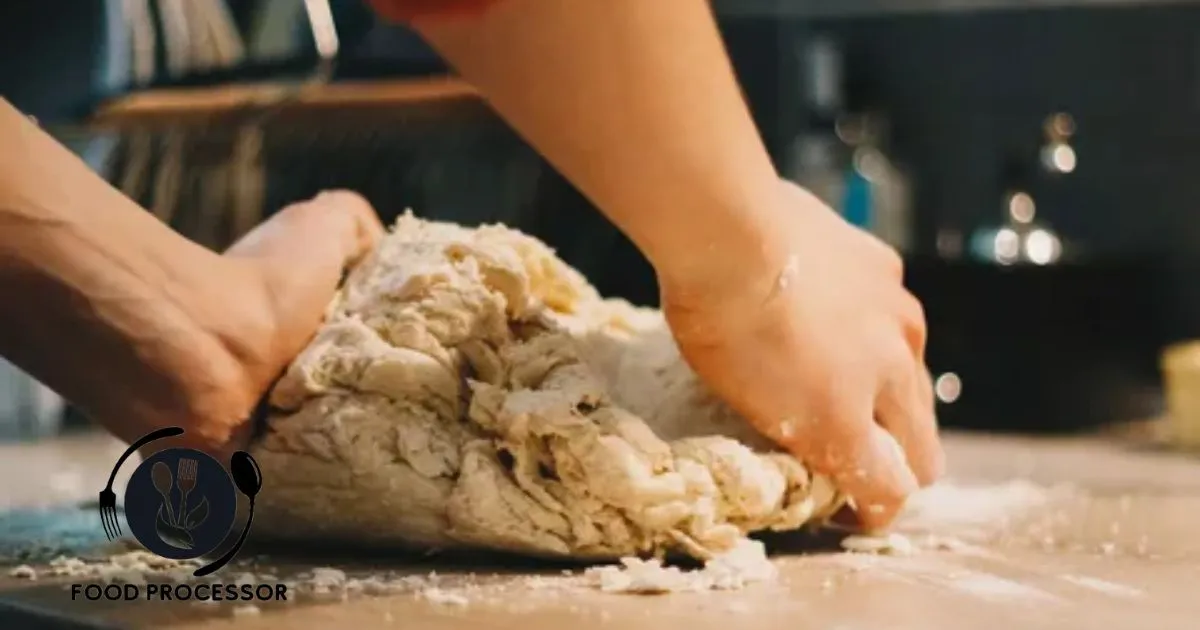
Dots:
{"x": 185, "y": 480}
{"x": 108, "y": 498}
{"x": 108, "y": 514}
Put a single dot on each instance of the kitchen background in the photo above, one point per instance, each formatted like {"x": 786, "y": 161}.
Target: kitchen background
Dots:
{"x": 1033, "y": 160}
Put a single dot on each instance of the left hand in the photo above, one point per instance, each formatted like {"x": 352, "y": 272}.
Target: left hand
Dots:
{"x": 261, "y": 302}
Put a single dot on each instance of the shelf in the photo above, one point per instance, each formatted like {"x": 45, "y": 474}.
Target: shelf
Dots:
{"x": 240, "y": 98}
{"x": 868, "y": 8}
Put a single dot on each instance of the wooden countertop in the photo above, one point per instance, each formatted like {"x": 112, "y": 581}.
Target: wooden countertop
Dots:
{"x": 1052, "y": 533}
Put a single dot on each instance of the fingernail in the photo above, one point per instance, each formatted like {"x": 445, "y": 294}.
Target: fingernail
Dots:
{"x": 889, "y": 450}
{"x": 935, "y": 468}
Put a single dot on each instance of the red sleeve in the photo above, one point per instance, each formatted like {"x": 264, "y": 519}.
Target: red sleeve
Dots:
{"x": 406, "y": 10}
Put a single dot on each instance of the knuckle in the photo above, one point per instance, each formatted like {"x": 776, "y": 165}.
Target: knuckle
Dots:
{"x": 839, "y": 450}
{"x": 893, "y": 261}
{"x": 332, "y": 203}
{"x": 913, "y": 323}
{"x": 915, "y": 310}
{"x": 301, "y": 210}
{"x": 924, "y": 385}
{"x": 342, "y": 196}
{"x": 888, "y": 257}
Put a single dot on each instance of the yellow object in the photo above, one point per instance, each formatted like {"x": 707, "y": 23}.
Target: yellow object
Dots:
{"x": 1181, "y": 374}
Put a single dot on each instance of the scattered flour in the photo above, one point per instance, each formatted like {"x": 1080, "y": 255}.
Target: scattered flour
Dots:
{"x": 23, "y": 572}
{"x": 745, "y": 564}
{"x": 892, "y": 544}
{"x": 996, "y": 588}
{"x": 943, "y": 575}
{"x": 443, "y": 597}
{"x": 1104, "y": 586}
{"x": 967, "y": 509}
{"x": 133, "y": 567}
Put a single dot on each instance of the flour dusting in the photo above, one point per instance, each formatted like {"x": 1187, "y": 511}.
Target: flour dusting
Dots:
{"x": 950, "y": 508}
{"x": 745, "y": 564}
{"x": 1104, "y": 586}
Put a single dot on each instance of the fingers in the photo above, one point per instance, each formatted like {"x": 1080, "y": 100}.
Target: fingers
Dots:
{"x": 905, "y": 403}
{"x": 912, "y": 323}
{"x": 861, "y": 458}
{"x": 303, "y": 249}
{"x": 905, "y": 409}
{"x": 335, "y": 225}
{"x": 877, "y": 438}
{"x": 300, "y": 254}
{"x": 871, "y": 470}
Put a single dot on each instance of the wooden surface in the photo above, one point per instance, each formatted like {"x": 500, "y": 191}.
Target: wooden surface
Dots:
{"x": 1074, "y": 533}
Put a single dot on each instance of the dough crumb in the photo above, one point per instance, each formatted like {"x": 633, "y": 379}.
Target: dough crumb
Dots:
{"x": 246, "y": 610}
{"x": 745, "y": 564}
{"x": 445, "y": 598}
{"x": 23, "y": 572}
{"x": 642, "y": 576}
{"x": 133, "y": 567}
{"x": 246, "y": 579}
{"x": 892, "y": 544}
{"x": 328, "y": 577}
{"x": 132, "y": 575}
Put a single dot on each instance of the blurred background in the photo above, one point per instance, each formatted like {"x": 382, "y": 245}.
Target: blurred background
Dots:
{"x": 1033, "y": 159}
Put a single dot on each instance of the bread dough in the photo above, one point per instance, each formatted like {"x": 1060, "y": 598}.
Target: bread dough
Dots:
{"x": 469, "y": 389}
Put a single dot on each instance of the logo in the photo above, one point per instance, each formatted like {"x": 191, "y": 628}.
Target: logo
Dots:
{"x": 180, "y": 503}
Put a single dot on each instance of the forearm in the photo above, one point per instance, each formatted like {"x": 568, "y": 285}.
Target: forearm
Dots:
{"x": 98, "y": 296}
{"x": 634, "y": 102}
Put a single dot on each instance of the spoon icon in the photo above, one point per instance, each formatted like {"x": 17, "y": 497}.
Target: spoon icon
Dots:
{"x": 162, "y": 478}
{"x": 248, "y": 478}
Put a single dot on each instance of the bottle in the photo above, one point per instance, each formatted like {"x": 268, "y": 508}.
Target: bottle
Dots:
{"x": 876, "y": 190}
{"x": 839, "y": 155}
{"x": 817, "y": 157}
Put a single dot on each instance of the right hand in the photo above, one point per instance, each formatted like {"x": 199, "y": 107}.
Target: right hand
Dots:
{"x": 810, "y": 334}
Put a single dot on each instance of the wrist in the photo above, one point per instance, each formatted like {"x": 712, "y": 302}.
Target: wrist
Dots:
{"x": 194, "y": 372}
{"x": 726, "y": 249}
{"x": 224, "y": 370}
{"x": 109, "y": 296}
{"x": 174, "y": 326}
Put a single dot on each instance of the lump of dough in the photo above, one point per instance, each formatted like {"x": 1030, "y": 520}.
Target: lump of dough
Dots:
{"x": 469, "y": 389}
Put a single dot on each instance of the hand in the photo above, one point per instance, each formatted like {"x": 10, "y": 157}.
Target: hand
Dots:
{"x": 258, "y": 305}
{"x": 811, "y": 336}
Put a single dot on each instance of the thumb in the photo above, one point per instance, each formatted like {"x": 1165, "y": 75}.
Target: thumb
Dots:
{"x": 335, "y": 226}
{"x": 301, "y": 252}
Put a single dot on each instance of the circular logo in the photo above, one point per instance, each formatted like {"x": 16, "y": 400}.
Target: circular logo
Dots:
{"x": 180, "y": 503}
